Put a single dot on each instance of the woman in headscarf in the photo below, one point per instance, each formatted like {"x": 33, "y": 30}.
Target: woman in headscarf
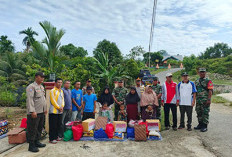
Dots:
{"x": 148, "y": 98}
{"x": 107, "y": 98}
{"x": 132, "y": 100}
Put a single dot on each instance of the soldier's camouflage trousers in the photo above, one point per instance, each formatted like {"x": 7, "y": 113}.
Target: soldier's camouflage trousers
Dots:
{"x": 202, "y": 110}
{"x": 158, "y": 111}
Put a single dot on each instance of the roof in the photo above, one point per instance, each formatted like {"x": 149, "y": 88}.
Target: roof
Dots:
{"x": 175, "y": 57}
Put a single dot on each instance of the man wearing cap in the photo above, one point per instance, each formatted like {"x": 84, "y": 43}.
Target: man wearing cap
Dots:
{"x": 203, "y": 99}
{"x": 187, "y": 92}
{"x": 170, "y": 100}
{"x": 88, "y": 84}
{"x": 140, "y": 89}
{"x": 119, "y": 94}
{"x": 36, "y": 109}
{"x": 158, "y": 90}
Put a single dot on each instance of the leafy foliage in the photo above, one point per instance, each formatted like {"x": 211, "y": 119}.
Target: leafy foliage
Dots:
{"x": 217, "y": 51}
{"x": 6, "y": 45}
{"x": 110, "y": 48}
{"x": 48, "y": 54}
{"x": 29, "y": 39}
{"x": 73, "y": 51}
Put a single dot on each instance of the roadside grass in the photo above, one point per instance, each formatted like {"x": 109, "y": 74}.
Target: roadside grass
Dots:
{"x": 222, "y": 82}
{"x": 219, "y": 99}
{"x": 155, "y": 71}
{"x": 177, "y": 78}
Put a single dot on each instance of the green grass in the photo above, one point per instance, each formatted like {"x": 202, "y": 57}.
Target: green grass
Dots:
{"x": 219, "y": 99}
{"x": 177, "y": 78}
{"x": 155, "y": 71}
{"x": 222, "y": 82}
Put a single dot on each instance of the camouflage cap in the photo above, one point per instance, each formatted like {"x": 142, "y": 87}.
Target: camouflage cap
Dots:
{"x": 120, "y": 81}
{"x": 202, "y": 70}
{"x": 155, "y": 78}
{"x": 184, "y": 74}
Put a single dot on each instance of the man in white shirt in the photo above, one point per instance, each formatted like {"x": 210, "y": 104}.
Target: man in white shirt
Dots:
{"x": 187, "y": 93}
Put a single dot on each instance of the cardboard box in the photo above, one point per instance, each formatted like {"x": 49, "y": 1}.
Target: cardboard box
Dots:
{"x": 88, "y": 124}
{"x": 120, "y": 126}
{"x": 17, "y": 136}
{"x": 153, "y": 124}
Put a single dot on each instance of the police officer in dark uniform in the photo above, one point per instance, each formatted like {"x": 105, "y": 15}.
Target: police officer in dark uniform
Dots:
{"x": 36, "y": 109}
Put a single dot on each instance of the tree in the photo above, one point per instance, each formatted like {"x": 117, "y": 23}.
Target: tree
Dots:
{"x": 73, "y": 51}
{"x": 106, "y": 73}
{"x": 156, "y": 57}
{"x": 29, "y": 38}
{"x": 47, "y": 54}
{"x": 163, "y": 52}
{"x": 109, "y": 48}
{"x": 136, "y": 51}
{"x": 217, "y": 51}
{"x": 12, "y": 68}
{"x": 6, "y": 45}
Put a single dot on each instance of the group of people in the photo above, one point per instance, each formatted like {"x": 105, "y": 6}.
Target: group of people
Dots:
{"x": 139, "y": 102}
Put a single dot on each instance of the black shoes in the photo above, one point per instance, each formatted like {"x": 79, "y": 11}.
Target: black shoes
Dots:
{"x": 198, "y": 127}
{"x": 174, "y": 128}
{"x": 39, "y": 145}
{"x": 204, "y": 128}
{"x": 181, "y": 127}
{"x": 189, "y": 129}
{"x": 33, "y": 148}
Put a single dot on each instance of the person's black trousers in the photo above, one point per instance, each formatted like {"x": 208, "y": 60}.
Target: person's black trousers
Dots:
{"x": 34, "y": 127}
{"x": 55, "y": 126}
{"x": 87, "y": 115}
{"x": 173, "y": 108}
{"x": 188, "y": 110}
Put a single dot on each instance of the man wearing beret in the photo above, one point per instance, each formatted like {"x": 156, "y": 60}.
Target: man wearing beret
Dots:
{"x": 203, "y": 99}
{"x": 119, "y": 94}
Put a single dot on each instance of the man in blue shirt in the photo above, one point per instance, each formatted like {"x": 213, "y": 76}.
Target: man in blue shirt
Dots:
{"x": 89, "y": 104}
{"x": 187, "y": 96}
{"x": 67, "y": 106}
{"x": 76, "y": 101}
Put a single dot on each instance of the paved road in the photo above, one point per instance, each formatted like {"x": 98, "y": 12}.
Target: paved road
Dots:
{"x": 162, "y": 75}
{"x": 216, "y": 142}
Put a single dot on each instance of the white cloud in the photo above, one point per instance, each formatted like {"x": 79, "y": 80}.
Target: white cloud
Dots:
{"x": 182, "y": 27}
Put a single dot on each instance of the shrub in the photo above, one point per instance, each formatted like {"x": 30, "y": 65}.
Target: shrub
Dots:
{"x": 7, "y": 98}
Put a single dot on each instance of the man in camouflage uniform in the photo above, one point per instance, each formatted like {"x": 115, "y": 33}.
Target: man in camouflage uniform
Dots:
{"x": 119, "y": 94}
{"x": 158, "y": 90}
{"x": 203, "y": 100}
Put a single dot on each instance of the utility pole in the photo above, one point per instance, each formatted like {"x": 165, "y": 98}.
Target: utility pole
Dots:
{"x": 152, "y": 31}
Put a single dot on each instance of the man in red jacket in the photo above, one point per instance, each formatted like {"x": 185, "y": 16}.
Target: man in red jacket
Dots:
{"x": 170, "y": 100}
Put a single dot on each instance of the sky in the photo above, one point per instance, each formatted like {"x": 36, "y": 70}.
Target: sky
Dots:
{"x": 182, "y": 26}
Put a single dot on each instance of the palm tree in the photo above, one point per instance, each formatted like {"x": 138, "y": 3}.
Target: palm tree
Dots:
{"x": 11, "y": 68}
{"x": 106, "y": 72}
{"x": 29, "y": 37}
{"x": 48, "y": 49}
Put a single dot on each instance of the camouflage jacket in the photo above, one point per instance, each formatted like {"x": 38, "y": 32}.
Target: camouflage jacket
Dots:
{"x": 157, "y": 89}
{"x": 203, "y": 86}
{"x": 120, "y": 93}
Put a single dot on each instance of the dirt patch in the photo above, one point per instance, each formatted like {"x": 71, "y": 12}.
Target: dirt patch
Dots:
{"x": 173, "y": 144}
{"x": 13, "y": 115}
